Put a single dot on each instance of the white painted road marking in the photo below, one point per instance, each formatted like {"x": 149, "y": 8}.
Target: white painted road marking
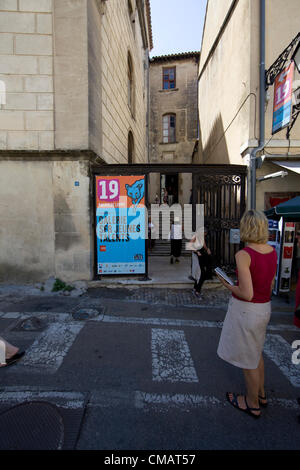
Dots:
{"x": 49, "y": 349}
{"x": 171, "y": 358}
{"x": 177, "y": 400}
{"x": 141, "y": 400}
{"x": 170, "y": 322}
{"x": 280, "y": 352}
{"x": 69, "y": 400}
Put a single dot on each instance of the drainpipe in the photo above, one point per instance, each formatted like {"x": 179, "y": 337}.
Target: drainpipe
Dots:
{"x": 147, "y": 62}
{"x": 262, "y": 95}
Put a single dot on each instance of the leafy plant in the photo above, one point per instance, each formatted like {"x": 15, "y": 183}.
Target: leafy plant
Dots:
{"x": 61, "y": 285}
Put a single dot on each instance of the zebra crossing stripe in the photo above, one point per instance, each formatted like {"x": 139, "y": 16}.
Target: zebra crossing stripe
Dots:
{"x": 280, "y": 352}
{"x": 50, "y": 347}
{"x": 171, "y": 358}
{"x": 66, "y": 399}
{"x": 188, "y": 401}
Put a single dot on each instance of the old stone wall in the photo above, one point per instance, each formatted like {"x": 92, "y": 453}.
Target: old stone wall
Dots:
{"x": 181, "y": 101}
{"x": 45, "y": 225}
{"x": 26, "y": 70}
{"x": 121, "y": 36}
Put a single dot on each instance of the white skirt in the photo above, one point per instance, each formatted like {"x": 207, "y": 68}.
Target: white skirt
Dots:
{"x": 243, "y": 333}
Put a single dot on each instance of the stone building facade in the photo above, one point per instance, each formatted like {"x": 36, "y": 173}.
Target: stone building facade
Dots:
{"x": 229, "y": 91}
{"x": 173, "y": 119}
{"x": 74, "y": 79}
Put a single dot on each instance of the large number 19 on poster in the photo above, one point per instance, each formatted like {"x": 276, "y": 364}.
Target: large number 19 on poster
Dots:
{"x": 120, "y": 224}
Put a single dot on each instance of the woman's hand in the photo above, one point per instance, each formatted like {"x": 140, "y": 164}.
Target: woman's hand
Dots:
{"x": 225, "y": 284}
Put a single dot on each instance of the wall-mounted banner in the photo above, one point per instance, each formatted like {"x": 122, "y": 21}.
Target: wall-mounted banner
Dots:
{"x": 120, "y": 224}
{"x": 282, "y": 108}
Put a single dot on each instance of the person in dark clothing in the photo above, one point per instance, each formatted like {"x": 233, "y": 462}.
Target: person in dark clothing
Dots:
{"x": 176, "y": 240}
{"x": 206, "y": 263}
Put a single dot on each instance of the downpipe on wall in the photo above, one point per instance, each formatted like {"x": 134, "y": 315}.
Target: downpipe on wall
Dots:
{"x": 262, "y": 97}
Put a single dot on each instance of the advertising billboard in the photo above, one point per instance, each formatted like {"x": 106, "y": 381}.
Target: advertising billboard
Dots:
{"x": 281, "y": 237}
{"x": 282, "y": 108}
{"x": 120, "y": 225}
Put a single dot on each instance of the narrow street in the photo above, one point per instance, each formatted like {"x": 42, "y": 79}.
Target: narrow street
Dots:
{"x": 138, "y": 370}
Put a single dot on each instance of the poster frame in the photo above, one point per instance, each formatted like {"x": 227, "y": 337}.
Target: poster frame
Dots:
{"x": 97, "y": 276}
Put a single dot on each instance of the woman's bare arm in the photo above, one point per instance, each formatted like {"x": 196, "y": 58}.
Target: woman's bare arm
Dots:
{"x": 245, "y": 288}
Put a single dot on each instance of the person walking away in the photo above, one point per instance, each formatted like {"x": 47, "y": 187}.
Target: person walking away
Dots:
{"x": 176, "y": 240}
{"x": 249, "y": 310}
{"x": 205, "y": 261}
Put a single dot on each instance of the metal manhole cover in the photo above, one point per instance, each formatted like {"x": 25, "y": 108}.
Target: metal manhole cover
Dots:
{"x": 31, "y": 426}
{"x": 86, "y": 313}
{"x": 30, "y": 324}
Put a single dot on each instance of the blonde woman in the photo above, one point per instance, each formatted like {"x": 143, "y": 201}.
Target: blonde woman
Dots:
{"x": 244, "y": 329}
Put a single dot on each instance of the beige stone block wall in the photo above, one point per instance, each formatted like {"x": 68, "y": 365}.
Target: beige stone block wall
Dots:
{"x": 225, "y": 86}
{"x": 26, "y": 58}
{"x": 234, "y": 66}
{"x": 182, "y": 101}
{"x": 26, "y": 230}
{"x": 95, "y": 64}
{"x": 215, "y": 13}
{"x": 71, "y": 74}
{"x": 72, "y": 224}
{"x": 118, "y": 38}
{"x": 48, "y": 232}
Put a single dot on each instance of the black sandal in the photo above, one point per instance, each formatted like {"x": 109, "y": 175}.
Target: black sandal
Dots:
{"x": 15, "y": 358}
{"x": 264, "y": 405}
{"x": 248, "y": 410}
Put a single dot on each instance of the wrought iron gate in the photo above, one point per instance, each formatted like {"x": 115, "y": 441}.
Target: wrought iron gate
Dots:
{"x": 222, "y": 191}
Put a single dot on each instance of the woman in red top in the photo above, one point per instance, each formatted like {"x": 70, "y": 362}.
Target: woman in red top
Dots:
{"x": 244, "y": 329}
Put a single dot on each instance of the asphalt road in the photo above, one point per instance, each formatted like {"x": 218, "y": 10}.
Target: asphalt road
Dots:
{"x": 135, "y": 374}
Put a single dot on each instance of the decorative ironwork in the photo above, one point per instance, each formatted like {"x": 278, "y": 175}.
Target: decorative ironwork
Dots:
{"x": 295, "y": 114}
{"x": 280, "y": 62}
{"x": 276, "y": 68}
{"x": 223, "y": 196}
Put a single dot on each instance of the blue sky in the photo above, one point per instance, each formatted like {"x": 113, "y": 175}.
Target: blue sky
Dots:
{"x": 176, "y": 25}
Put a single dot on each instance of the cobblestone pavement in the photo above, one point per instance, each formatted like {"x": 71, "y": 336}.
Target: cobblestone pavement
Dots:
{"x": 180, "y": 297}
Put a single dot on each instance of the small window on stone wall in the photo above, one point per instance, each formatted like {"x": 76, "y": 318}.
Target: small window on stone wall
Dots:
{"x": 169, "y": 78}
{"x": 169, "y": 128}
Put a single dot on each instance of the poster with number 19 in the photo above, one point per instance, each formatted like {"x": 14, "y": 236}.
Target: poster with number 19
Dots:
{"x": 120, "y": 224}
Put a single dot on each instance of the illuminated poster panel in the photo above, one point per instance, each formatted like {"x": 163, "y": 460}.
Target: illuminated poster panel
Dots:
{"x": 120, "y": 225}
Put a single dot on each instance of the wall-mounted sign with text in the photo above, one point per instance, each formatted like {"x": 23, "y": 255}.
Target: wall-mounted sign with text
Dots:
{"x": 282, "y": 108}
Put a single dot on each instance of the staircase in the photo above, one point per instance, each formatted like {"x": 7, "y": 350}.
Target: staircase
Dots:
{"x": 163, "y": 248}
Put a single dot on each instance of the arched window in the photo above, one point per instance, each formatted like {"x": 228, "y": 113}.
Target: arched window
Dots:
{"x": 130, "y": 84}
{"x": 169, "y": 128}
{"x": 130, "y": 148}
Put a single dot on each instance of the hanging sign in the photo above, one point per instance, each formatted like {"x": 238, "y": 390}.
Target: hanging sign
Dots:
{"x": 282, "y": 108}
{"x": 120, "y": 225}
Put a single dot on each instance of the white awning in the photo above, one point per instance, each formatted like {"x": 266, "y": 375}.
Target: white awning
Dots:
{"x": 289, "y": 165}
